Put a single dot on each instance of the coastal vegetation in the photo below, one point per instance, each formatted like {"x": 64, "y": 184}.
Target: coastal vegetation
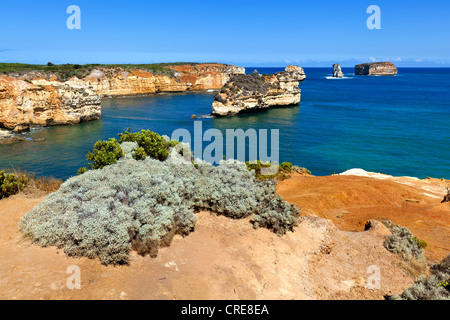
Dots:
{"x": 140, "y": 205}
{"x": 66, "y": 71}
{"x": 19, "y": 181}
{"x": 435, "y": 286}
{"x": 10, "y": 184}
{"x": 410, "y": 248}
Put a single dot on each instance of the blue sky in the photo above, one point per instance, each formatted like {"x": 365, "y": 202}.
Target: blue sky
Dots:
{"x": 245, "y": 32}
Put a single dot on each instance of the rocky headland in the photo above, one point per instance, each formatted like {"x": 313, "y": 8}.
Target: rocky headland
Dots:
{"x": 376, "y": 69}
{"x": 244, "y": 93}
{"x": 337, "y": 71}
{"x": 72, "y": 94}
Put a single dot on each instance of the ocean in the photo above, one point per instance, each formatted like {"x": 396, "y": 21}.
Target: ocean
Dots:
{"x": 397, "y": 125}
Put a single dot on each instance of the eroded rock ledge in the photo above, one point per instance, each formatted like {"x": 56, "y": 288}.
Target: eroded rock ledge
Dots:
{"x": 376, "y": 68}
{"x": 245, "y": 93}
{"x": 39, "y": 98}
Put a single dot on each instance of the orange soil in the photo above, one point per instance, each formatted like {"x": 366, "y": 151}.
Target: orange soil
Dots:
{"x": 349, "y": 201}
{"x": 221, "y": 259}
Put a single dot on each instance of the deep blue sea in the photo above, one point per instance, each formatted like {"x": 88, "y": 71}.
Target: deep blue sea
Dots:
{"x": 398, "y": 125}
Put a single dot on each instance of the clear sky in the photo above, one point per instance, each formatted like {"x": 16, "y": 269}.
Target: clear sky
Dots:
{"x": 244, "y": 32}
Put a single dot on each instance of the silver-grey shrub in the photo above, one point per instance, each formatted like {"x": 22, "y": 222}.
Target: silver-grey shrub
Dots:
{"x": 403, "y": 242}
{"x": 141, "y": 205}
{"x": 435, "y": 286}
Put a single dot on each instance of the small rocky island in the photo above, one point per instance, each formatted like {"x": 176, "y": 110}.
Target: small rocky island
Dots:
{"x": 244, "y": 93}
{"x": 376, "y": 69}
{"x": 337, "y": 71}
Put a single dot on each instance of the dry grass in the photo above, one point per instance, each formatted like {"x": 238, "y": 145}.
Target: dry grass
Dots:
{"x": 37, "y": 186}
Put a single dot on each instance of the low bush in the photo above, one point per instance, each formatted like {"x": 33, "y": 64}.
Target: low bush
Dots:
{"x": 141, "y": 205}
{"x": 10, "y": 184}
{"x": 104, "y": 153}
{"x": 432, "y": 287}
{"x": 272, "y": 172}
{"x": 403, "y": 242}
{"x": 154, "y": 145}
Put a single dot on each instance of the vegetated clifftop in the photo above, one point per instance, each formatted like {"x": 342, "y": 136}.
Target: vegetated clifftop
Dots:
{"x": 376, "y": 68}
{"x": 70, "y": 94}
{"x": 254, "y": 91}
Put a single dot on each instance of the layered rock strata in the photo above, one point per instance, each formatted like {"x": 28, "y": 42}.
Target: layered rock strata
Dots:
{"x": 244, "y": 93}
{"x": 42, "y": 99}
{"x": 24, "y": 104}
{"x": 376, "y": 68}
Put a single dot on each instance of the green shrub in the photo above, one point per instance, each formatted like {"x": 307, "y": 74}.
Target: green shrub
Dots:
{"x": 82, "y": 170}
{"x": 421, "y": 243}
{"x": 286, "y": 166}
{"x": 139, "y": 154}
{"x": 10, "y": 184}
{"x": 154, "y": 145}
{"x": 104, "y": 153}
{"x": 283, "y": 172}
{"x": 141, "y": 205}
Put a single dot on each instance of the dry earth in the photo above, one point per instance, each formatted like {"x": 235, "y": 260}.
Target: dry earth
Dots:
{"x": 222, "y": 259}
{"x": 350, "y": 200}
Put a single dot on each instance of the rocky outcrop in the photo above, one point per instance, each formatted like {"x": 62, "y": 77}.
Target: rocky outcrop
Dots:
{"x": 41, "y": 99}
{"x": 24, "y": 104}
{"x": 113, "y": 82}
{"x": 337, "y": 71}
{"x": 376, "y": 68}
{"x": 245, "y": 93}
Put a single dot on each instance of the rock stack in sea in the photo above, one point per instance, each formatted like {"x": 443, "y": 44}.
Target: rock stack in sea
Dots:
{"x": 376, "y": 69}
{"x": 337, "y": 71}
{"x": 254, "y": 91}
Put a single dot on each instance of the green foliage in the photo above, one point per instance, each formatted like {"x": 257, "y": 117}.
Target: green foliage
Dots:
{"x": 420, "y": 243}
{"x": 139, "y": 154}
{"x": 141, "y": 205}
{"x": 104, "y": 153}
{"x": 82, "y": 170}
{"x": 66, "y": 71}
{"x": 151, "y": 143}
{"x": 10, "y": 184}
{"x": 283, "y": 171}
{"x": 287, "y": 166}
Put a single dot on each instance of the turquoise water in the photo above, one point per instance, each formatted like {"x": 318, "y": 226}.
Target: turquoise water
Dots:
{"x": 396, "y": 125}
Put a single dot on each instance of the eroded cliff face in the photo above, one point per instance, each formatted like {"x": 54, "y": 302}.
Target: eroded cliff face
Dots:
{"x": 37, "y": 99}
{"x": 112, "y": 83}
{"x": 24, "y": 104}
{"x": 376, "y": 68}
{"x": 244, "y": 93}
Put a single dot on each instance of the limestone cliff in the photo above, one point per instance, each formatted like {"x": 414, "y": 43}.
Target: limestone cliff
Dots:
{"x": 116, "y": 82}
{"x": 376, "y": 68}
{"x": 24, "y": 104}
{"x": 41, "y": 98}
{"x": 254, "y": 91}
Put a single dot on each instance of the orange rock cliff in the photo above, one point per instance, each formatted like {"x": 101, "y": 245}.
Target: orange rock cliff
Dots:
{"x": 44, "y": 101}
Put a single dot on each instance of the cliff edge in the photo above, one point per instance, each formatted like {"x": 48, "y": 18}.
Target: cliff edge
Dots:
{"x": 70, "y": 94}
